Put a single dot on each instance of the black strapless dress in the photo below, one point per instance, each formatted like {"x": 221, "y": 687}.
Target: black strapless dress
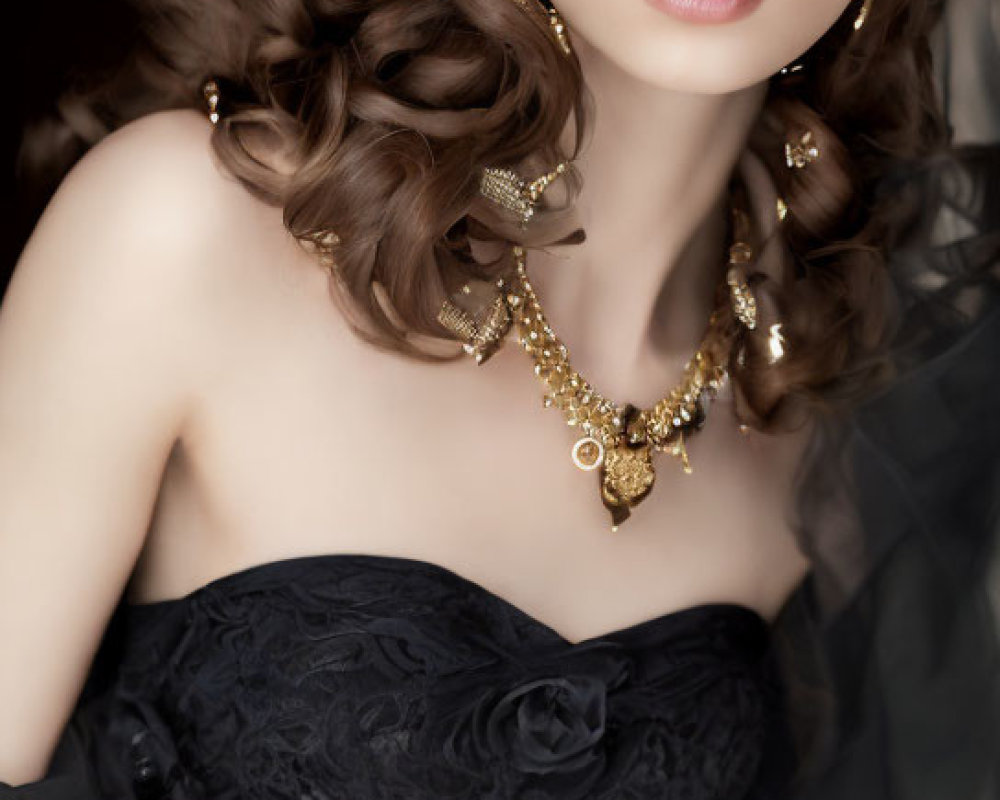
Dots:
{"x": 356, "y": 677}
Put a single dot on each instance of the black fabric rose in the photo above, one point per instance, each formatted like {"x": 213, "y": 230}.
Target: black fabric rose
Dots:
{"x": 549, "y": 724}
{"x": 545, "y": 729}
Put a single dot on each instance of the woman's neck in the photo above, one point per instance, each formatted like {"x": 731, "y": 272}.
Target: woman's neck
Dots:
{"x": 634, "y": 298}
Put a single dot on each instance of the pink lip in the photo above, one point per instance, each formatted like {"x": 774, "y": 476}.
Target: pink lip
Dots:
{"x": 706, "y": 10}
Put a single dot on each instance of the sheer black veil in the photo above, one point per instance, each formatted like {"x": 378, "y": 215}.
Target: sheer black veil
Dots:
{"x": 891, "y": 647}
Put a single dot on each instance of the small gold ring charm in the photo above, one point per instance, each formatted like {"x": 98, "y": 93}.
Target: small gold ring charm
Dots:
{"x": 588, "y": 453}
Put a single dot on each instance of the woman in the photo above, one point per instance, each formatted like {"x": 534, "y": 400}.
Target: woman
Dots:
{"x": 272, "y": 554}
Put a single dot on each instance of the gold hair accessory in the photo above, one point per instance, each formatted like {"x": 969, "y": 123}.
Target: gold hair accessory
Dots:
{"x": 210, "y": 91}
{"x": 481, "y": 331}
{"x": 781, "y": 208}
{"x": 321, "y": 245}
{"x": 516, "y": 194}
{"x": 862, "y": 17}
{"x": 742, "y": 298}
{"x": 801, "y": 153}
{"x": 545, "y": 12}
{"x": 859, "y": 22}
{"x": 775, "y": 343}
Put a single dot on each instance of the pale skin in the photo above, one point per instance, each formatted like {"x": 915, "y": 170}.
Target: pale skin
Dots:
{"x": 180, "y": 398}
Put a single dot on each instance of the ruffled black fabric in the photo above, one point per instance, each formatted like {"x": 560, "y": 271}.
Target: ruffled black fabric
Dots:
{"x": 891, "y": 650}
{"x": 361, "y": 676}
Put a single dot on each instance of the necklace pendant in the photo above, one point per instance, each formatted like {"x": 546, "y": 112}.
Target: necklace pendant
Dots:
{"x": 627, "y": 476}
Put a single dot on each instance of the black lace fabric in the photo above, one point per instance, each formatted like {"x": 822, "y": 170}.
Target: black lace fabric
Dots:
{"x": 350, "y": 676}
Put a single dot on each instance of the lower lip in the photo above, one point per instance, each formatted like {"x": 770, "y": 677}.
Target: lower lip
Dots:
{"x": 706, "y": 10}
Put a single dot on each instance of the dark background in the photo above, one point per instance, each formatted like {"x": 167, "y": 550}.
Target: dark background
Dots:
{"x": 54, "y": 44}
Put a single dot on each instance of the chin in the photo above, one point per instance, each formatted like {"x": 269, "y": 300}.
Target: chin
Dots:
{"x": 712, "y": 55}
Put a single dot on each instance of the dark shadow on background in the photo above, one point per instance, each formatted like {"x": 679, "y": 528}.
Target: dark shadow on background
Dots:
{"x": 56, "y": 44}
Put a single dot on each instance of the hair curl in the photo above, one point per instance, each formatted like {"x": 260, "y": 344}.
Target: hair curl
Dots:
{"x": 386, "y": 110}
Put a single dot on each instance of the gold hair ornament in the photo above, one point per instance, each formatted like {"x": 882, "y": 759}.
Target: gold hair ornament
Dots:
{"x": 481, "y": 331}
{"x": 801, "y": 153}
{"x": 547, "y": 15}
{"x": 742, "y": 297}
{"x": 781, "y": 208}
{"x": 513, "y": 192}
{"x": 862, "y": 17}
{"x": 859, "y": 22}
{"x": 775, "y": 343}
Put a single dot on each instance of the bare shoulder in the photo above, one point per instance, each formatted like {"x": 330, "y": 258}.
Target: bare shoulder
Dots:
{"x": 172, "y": 147}
{"x": 161, "y": 179}
{"x": 102, "y": 352}
{"x": 150, "y": 215}
{"x": 148, "y": 229}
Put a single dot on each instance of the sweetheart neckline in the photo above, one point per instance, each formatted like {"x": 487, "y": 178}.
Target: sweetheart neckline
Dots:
{"x": 738, "y": 609}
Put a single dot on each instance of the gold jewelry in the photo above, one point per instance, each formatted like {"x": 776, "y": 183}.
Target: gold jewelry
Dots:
{"x": 620, "y": 440}
{"x": 862, "y": 17}
{"x": 482, "y": 331}
{"x": 743, "y": 301}
{"x": 801, "y": 153}
{"x": 516, "y": 194}
{"x": 321, "y": 245}
{"x": 545, "y": 12}
{"x": 775, "y": 344}
{"x": 781, "y": 208}
{"x": 859, "y": 22}
{"x": 210, "y": 91}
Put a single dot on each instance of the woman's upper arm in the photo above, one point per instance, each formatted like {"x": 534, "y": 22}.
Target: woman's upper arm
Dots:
{"x": 98, "y": 368}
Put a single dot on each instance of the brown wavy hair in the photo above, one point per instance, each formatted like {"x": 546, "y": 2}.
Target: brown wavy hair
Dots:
{"x": 384, "y": 111}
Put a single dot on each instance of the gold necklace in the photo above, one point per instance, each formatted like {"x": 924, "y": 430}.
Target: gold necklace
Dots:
{"x": 620, "y": 440}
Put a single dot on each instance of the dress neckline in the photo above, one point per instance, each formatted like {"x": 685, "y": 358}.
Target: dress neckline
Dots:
{"x": 274, "y": 568}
